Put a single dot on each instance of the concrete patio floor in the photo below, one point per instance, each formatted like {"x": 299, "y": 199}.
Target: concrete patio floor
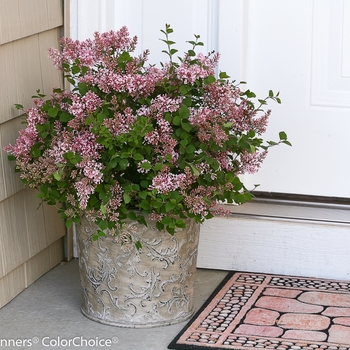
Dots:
{"x": 47, "y": 315}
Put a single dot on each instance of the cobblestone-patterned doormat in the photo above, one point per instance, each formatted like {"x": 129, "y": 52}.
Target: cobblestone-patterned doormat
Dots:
{"x": 251, "y": 310}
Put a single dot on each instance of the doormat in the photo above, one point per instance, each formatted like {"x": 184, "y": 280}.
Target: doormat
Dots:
{"x": 275, "y": 312}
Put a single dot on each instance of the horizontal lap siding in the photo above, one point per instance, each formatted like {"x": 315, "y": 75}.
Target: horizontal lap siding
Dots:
{"x": 30, "y": 233}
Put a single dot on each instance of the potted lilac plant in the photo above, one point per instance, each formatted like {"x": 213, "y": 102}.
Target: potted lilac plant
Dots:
{"x": 139, "y": 145}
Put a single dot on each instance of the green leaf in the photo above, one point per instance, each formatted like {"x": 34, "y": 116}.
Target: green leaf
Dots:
{"x": 184, "y": 89}
{"x": 251, "y": 133}
{"x": 103, "y": 209}
{"x": 64, "y": 117}
{"x": 131, "y": 215}
{"x": 249, "y": 94}
{"x": 187, "y": 102}
{"x": 69, "y": 223}
{"x": 71, "y": 80}
{"x": 83, "y": 88}
{"x": 113, "y": 163}
{"x": 44, "y": 134}
{"x": 123, "y": 163}
{"x": 190, "y": 149}
{"x": 75, "y": 70}
{"x": 184, "y": 112}
{"x": 18, "y": 106}
{"x": 195, "y": 171}
{"x": 283, "y": 135}
{"x": 169, "y": 30}
{"x": 101, "y": 234}
{"x": 138, "y": 156}
{"x": 103, "y": 224}
{"x": 145, "y": 205}
{"x": 57, "y": 176}
{"x": 180, "y": 223}
{"x": 171, "y": 229}
{"x": 210, "y": 79}
{"x": 144, "y": 183}
{"x": 158, "y": 166}
{"x": 146, "y": 166}
{"x": 141, "y": 219}
{"x": 100, "y": 117}
{"x": 160, "y": 226}
{"x": 126, "y": 197}
{"x": 166, "y": 220}
{"x": 36, "y": 152}
{"x": 177, "y": 120}
{"x": 184, "y": 143}
{"x": 52, "y": 112}
{"x": 186, "y": 126}
{"x": 223, "y": 75}
{"x": 169, "y": 206}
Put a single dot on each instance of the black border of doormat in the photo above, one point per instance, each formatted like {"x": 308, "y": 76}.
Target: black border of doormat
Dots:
{"x": 173, "y": 345}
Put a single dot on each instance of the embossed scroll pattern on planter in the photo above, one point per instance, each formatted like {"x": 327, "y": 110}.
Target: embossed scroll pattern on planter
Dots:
{"x": 127, "y": 287}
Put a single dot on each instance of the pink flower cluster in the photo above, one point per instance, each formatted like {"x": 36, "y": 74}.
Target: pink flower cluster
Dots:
{"x": 167, "y": 182}
{"x": 190, "y": 73}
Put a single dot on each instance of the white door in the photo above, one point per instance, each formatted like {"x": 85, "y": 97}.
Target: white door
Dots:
{"x": 302, "y": 49}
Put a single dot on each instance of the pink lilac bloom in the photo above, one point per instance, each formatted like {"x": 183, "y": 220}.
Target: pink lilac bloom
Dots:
{"x": 189, "y": 73}
{"x": 218, "y": 210}
{"x": 142, "y": 85}
{"x": 199, "y": 201}
{"x": 73, "y": 50}
{"x": 38, "y": 171}
{"x": 108, "y": 45}
{"x": 60, "y": 145}
{"x": 163, "y": 103}
{"x": 121, "y": 123}
{"x": 224, "y": 159}
{"x": 251, "y": 162}
{"x": 166, "y": 182}
{"x": 82, "y": 107}
{"x": 24, "y": 143}
{"x": 115, "y": 202}
{"x": 208, "y": 123}
{"x": 153, "y": 216}
{"x": 34, "y": 117}
{"x": 84, "y": 189}
{"x": 92, "y": 170}
{"x": 91, "y": 102}
{"x": 226, "y": 101}
{"x": 85, "y": 144}
{"x": 162, "y": 135}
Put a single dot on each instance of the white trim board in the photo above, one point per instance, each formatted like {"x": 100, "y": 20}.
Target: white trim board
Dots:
{"x": 308, "y": 239}
{"x": 290, "y": 209}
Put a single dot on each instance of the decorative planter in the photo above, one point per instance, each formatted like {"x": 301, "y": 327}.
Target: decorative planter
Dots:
{"x": 126, "y": 287}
